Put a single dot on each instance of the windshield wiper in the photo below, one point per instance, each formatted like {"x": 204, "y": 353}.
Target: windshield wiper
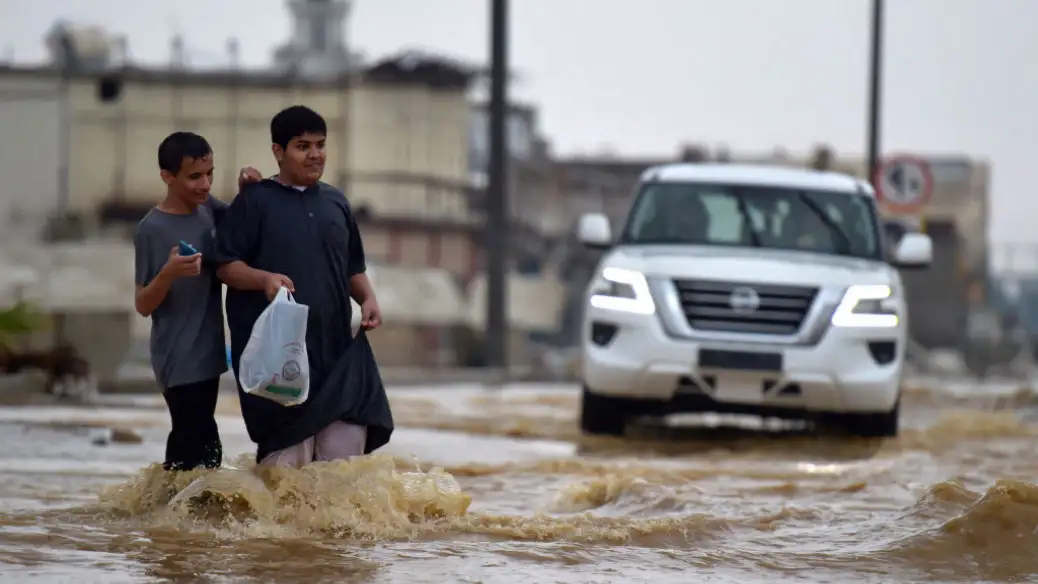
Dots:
{"x": 843, "y": 243}
{"x": 745, "y": 210}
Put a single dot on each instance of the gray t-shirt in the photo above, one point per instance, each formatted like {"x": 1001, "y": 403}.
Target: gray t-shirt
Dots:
{"x": 187, "y": 333}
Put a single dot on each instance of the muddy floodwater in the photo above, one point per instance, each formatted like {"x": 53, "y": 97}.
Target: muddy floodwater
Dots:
{"x": 498, "y": 486}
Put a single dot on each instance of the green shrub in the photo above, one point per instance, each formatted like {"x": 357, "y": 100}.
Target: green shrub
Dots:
{"x": 20, "y": 319}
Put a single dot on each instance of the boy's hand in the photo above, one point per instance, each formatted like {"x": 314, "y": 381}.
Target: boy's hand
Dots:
{"x": 275, "y": 282}
{"x": 178, "y": 266}
{"x": 248, "y": 175}
{"x": 370, "y": 315}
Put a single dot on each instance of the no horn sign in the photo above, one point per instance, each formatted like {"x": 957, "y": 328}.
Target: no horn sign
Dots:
{"x": 904, "y": 183}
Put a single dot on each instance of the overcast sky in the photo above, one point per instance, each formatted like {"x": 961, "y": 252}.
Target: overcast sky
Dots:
{"x": 640, "y": 77}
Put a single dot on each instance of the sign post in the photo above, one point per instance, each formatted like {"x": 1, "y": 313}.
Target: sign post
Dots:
{"x": 904, "y": 184}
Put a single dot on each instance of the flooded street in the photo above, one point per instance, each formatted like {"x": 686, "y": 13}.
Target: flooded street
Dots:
{"x": 498, "y": 486}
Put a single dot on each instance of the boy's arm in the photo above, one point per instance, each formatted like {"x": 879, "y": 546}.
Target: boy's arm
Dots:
{"x": 151, "y": 295}
{"x": 237, "y": 239}
{"x": 360, "y": 285}
{"x": 237, "y": 274}
{"x": 361, "y": 289}
{"x": 154, "y": 282}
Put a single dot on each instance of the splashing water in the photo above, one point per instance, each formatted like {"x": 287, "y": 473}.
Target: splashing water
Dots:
{"x": 952, "y": 499}
{"x": 364, "y": 498}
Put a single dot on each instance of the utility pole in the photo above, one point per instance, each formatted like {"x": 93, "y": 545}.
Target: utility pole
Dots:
{"x": 497, "y": 192}
{"x": 233, "y": 98}
{"x": 875, "y": 88}
{"x": 69, "y": 64}
{"x": 64, "y": 138}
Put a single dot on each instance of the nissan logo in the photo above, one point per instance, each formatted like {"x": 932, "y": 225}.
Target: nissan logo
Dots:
{"x": 744, "y": 300}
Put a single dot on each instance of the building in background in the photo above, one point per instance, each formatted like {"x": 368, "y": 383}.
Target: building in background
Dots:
{"x": 408, "y": 146}
{"x": 319, "y": 45}
{"x": 394, "y": 131}
{"x": 89, "y": 124}
{"x": 398, "y": 127}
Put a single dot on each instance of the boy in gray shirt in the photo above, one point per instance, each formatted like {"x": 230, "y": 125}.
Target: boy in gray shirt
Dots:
{"x": 183, "y": 297}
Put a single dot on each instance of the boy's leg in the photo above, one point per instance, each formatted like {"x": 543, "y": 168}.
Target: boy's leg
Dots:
{"x": 194, "y": 440}
{"x": 337, "y": 441}
{"x": 296, "y": 456}
{"x": 340, "y": 441}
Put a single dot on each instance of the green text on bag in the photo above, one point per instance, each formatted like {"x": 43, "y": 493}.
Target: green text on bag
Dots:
{"x": 289, "y": 391}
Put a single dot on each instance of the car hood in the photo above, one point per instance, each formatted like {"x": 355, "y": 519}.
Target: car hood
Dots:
{"x": 752, "y": 265}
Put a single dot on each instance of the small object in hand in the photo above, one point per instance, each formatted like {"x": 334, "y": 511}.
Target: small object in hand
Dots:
{"x": 186, "y": 249}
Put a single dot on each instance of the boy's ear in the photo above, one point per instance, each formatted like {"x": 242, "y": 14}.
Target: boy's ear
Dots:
{"x": 167, "y": 176}
{"x": 278, "y": 151}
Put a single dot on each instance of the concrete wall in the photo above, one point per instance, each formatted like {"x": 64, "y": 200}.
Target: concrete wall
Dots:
{"x": 418, "y": 131}
{"x": 88, "y": 289}
{"x": 400, "y": 344}
{"x": 102, "y": 337}
{"x": 534, "y": 303}
{"x": 938, "y": 297}
{"x": 425, "y": 296}
{"x": 374, "y": 129}
{"x": 454, "y": 251}
{"x": 29, "y": 153}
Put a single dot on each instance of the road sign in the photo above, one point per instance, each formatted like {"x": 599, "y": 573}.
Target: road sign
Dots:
{"x": 904, "y": 184}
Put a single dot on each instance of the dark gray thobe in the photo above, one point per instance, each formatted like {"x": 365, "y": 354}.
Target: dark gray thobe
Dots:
{"x": 310, "y": 236}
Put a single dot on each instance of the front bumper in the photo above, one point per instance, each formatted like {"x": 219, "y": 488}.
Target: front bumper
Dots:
{"x": 837, "y": 372}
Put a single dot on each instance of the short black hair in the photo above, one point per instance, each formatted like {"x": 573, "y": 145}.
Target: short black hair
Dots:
{"x": 180, "y": 145}
{"x": 293, "y": 122}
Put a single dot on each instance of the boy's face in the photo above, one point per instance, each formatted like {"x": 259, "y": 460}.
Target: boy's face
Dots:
{"x": 303, "y": 159}
{"x": 194, "y": 181}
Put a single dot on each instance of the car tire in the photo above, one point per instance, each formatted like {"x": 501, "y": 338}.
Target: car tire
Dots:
{"x": 602, "y": 415}
{"x": 883, "y": 425}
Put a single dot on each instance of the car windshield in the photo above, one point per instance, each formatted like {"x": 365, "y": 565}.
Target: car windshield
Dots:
{"x": 837, "y": 223}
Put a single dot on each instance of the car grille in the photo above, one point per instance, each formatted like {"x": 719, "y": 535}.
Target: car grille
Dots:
{"x": 708, "y": 306}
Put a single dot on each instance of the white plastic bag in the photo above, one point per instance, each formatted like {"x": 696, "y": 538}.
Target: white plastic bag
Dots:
{"x": 274, "y": 363}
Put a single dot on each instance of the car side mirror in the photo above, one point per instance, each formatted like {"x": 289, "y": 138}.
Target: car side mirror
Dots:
{"x": 913, "y": 251}
{"x": 593, "y": 231}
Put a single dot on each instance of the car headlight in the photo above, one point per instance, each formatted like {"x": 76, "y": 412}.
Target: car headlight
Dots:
{"x": 622, "y": 290}
{"x": 867, "y": 306}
